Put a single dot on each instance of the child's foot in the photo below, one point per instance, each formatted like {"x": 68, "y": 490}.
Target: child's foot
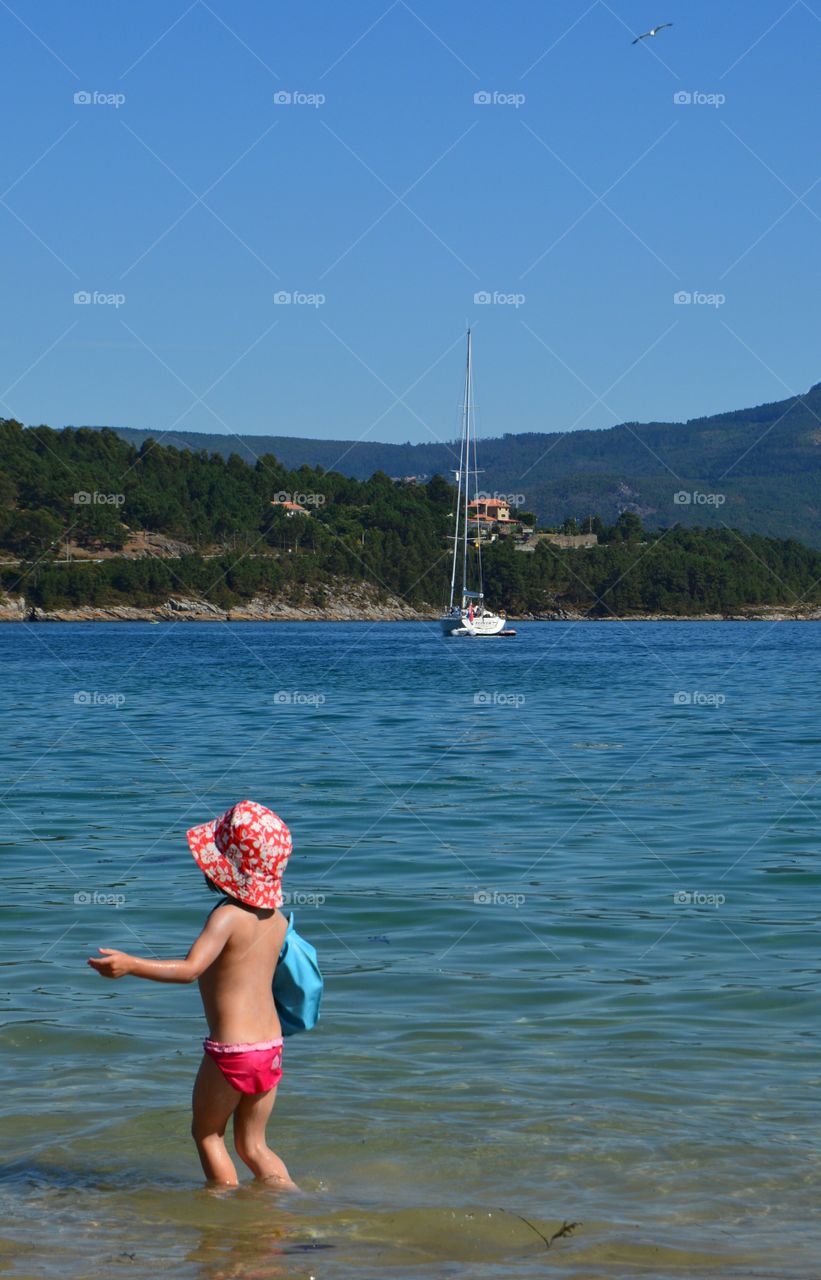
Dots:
{"x": 278, "y": 1183}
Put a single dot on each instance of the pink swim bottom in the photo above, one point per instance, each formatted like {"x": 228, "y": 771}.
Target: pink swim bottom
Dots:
{"x": 248, "y": 1068}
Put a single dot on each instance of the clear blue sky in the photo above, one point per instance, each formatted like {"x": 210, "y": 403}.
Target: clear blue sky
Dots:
{"x": 399, "y": 198}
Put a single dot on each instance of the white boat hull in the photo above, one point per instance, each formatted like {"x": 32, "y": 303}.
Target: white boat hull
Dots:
{"x": 483, "y": 624}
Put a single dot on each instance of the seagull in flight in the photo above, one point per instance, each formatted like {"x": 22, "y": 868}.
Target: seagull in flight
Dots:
{"x": 652, "y": 32}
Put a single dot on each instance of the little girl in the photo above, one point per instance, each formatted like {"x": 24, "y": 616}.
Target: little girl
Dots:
{"x": 243, "y": 854}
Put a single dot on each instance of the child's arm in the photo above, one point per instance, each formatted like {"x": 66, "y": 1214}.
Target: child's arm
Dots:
{"x": 115, "y": 964}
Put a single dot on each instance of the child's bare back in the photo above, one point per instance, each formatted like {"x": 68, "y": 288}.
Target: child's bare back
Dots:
{"x": 236, "y": 988}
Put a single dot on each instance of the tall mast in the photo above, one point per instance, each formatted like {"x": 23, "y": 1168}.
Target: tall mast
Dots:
{"x": 461, "y": 480}
{"x": 480, "y": 584}
{"x": 466, "y": 472}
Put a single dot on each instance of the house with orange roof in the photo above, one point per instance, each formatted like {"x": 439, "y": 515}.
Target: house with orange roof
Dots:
{"x": 291, "y": 508}
{"x": 491, "y": 508}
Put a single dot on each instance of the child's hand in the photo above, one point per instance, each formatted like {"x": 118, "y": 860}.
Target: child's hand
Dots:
{"x": 110, "y": 964}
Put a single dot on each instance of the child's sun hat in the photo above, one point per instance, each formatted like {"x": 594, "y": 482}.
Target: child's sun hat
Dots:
{"x": 244, "y": 852}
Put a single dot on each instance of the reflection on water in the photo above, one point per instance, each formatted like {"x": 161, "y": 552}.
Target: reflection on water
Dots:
{"x": 570, "y": 950}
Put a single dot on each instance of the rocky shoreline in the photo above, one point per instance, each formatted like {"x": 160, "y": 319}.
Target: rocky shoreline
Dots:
{"x": 359, "y": 604}
{"x": 355, "y": 605}
{"x": 755, "y": 613}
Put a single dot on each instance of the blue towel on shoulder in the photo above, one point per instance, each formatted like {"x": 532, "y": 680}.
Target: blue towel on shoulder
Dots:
{"x": 298, "y": 983}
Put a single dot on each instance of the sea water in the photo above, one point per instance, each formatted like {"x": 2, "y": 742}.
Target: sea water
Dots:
{"x": 564, "y": 890}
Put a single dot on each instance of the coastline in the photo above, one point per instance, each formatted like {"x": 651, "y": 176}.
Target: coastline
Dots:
{"x": 359, "y": 606}
{"x": 354, "y": 606}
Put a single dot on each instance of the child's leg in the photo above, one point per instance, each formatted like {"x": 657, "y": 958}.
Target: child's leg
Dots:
{"x": 250, "y": 1119}
{"x": 213, "y": 1102}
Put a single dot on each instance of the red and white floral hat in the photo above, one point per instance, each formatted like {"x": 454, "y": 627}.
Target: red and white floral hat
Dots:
{"x": 244, "y": 852}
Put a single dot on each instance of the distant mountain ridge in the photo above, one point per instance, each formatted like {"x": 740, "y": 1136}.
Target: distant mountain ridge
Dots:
{"x": 758, "y": 469}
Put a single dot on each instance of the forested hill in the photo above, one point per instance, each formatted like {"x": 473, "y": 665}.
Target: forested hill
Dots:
{"x": 89, "y": 520}
{"x": 765, "y": 463}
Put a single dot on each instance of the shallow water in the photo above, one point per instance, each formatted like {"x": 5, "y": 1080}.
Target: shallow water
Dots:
{"x": 568, "y": 926}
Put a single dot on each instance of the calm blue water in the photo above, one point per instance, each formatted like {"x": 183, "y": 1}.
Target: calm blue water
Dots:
{"x": 569, "y": 926}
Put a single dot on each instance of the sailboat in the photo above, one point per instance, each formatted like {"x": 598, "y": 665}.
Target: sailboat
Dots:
{"x": 467, "y": 613}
